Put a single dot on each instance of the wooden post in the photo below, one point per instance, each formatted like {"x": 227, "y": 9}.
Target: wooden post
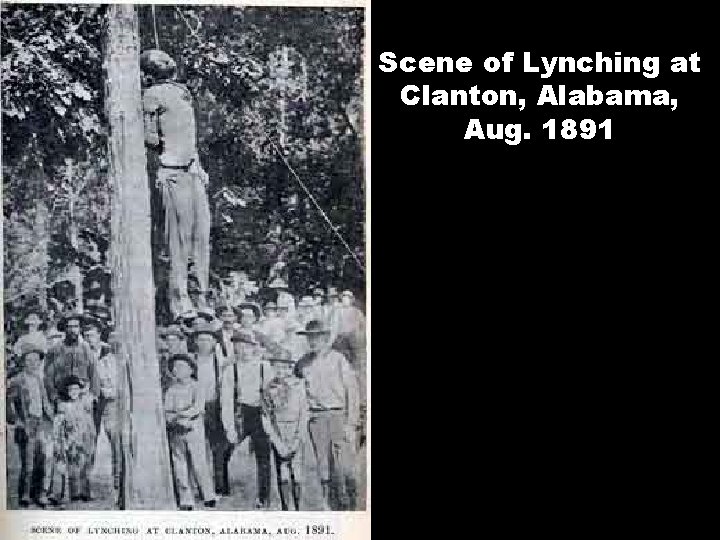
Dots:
{"x": 148, "y": 480}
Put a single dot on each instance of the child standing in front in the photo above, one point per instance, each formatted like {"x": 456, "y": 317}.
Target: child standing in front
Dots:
{"x": 74, "y": 440}
{"x": 285, "y": 420}
{"x": 184, "y": 408}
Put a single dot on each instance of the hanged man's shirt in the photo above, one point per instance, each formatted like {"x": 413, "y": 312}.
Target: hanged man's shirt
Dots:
{"x": 170, "y": 123}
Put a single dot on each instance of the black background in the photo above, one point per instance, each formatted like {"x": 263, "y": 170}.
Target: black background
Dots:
{"x": 538, "y": 309}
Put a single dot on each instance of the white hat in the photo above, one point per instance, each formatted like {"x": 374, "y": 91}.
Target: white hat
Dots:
{"x": 306, "y": 301}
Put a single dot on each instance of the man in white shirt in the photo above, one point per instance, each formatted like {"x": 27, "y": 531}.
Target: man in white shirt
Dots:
{"x": 228, "y": 320}
{"x": 209, "y": 376}
{"x": 333, "y": 399}
{"x": 243, "y": 387}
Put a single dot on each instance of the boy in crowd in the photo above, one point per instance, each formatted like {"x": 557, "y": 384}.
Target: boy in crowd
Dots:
{"x": 184, "y": 410}
{"x": 32, "y": 412}
{"x": 74, "y": 440}
{"x": 285, "y": 420}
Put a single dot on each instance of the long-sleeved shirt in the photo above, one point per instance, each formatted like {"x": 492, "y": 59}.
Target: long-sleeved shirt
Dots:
{"x": 170, "y": 123}
{"x": 28, "y": 398}
{"x": 330, "y": 382}
{"x": 184, "y": 399}
{"x": 108, "y": 375}
{"x": 36, "y": 338}
{"x": 65, "y": 360}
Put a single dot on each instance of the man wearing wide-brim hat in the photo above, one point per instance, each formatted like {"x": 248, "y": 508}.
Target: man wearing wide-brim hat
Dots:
{"x": 184, "y": 406}
{"x": 175, "y": 342}
{"x": 242, "y": 390}
{"x": 72, "y": 357}
{"x": 30, "y": 409}
{"x": 210, "y": 364}
{"x": 333, "y": 399}
{"x": 34, "y": 336}
{"x": 283, "y": 295}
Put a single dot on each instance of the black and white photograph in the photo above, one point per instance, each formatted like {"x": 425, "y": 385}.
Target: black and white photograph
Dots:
{"x": 184, "y": 257}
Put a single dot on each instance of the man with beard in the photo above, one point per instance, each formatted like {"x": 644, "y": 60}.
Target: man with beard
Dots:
{"x": 72, "y": 357}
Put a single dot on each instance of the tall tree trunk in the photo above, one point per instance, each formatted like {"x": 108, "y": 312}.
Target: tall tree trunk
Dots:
{"x": 148, "y": 479}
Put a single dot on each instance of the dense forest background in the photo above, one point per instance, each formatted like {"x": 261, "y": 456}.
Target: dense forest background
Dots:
{"x": 294, "y": 75}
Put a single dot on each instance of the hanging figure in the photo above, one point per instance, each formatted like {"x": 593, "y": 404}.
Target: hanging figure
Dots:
{"x": 170, "y": 128}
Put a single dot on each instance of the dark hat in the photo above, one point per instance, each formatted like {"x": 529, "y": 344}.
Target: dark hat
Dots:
{"x": 93, "y": 322}
{"x": 244, "y": 337}
{"x": 277, "y": 283}
{"x": 101, "y": 312}
{"x": 173, "y": 330}
{"x": 252, "y": 306}
{"x": 220, "y": 310}
{"x": 69, "y": 381}
{"x": 90, "y": 235}
{"x": 202, "y": 326}
{"x": 281, "y": 360}
{"x": 62, "y": 323}
{"x": 29, "y": 348}
{"x": 313, "y": 327}
{"x": 185, "y": 358}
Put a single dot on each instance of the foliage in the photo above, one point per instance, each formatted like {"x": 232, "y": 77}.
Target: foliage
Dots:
{"x": 232, "y": 59}
{"x": 51, "y": 79}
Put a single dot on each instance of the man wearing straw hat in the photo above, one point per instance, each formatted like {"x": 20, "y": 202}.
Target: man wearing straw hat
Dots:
{"x": 34, "y": 336}
{"x": 332, "y": 394}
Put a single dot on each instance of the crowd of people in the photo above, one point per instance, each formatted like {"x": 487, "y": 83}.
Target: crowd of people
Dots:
{"x": 289, "y": 376}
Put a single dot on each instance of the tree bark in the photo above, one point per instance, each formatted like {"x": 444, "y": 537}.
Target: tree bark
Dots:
{"x": 148, "y": 480}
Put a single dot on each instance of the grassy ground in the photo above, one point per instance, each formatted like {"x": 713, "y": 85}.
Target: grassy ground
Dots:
{"x": 242, "y": 478}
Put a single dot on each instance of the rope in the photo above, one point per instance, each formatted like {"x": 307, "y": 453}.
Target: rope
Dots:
{"x": 329, "y": 223}
{"x": 192, "y": 31}
{"x": 157, "y": 39}
{"x": 332, "y": 227}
